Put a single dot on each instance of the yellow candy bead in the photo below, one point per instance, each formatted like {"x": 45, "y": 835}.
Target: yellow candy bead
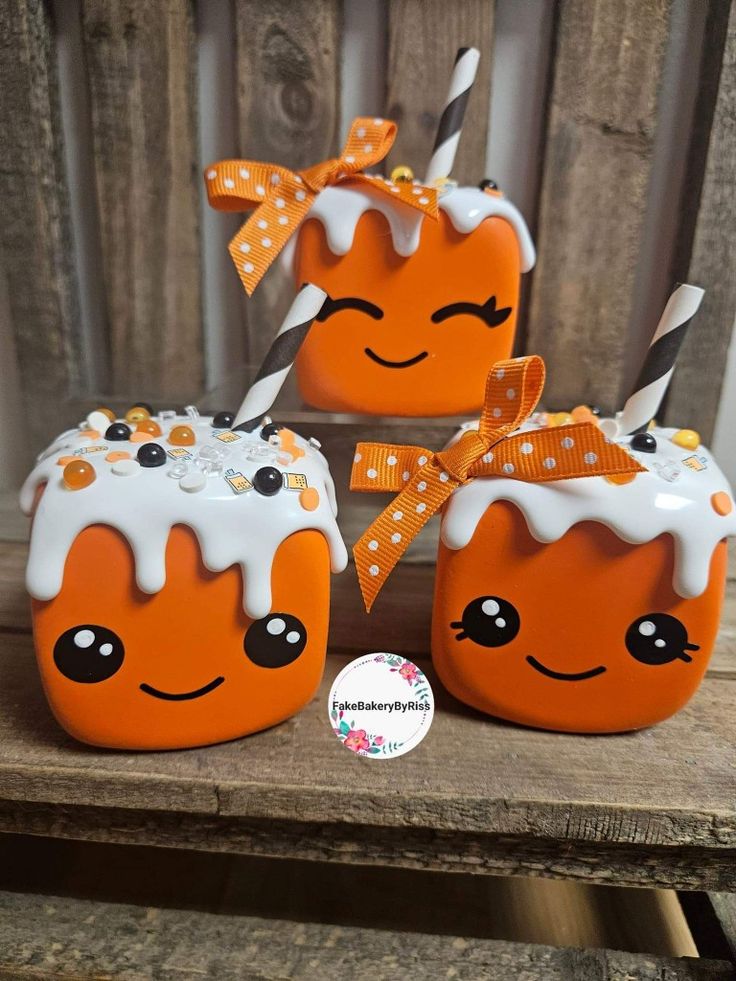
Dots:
{"x": 560, "y": 419}
{"x": 182, "y": 436}
{"x": 137, "y": 414}
{"x": 107, "y": 412}
{"x": 402, "y": 174}
{"x": 619, "y": 478}
{"x": 688, "y": 439}
{"x": 78, "y": 474}
{"x": 149, "y": 426}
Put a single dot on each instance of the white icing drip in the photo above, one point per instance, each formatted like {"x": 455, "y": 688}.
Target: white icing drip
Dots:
{"x": 340, "y": 208}
{"x": 637, "y": 512}
{"x": 232, "y": 529}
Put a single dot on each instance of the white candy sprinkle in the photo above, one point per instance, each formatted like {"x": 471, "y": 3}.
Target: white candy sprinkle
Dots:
{"x": 567, "y": 443}
{"x": 508, "y": 468}
{"x": 374, "y": 570}
{"x": 396, "y": 538}
{"x": 293, "y": 637}
{"x": 193, "y": 482}
{"x": 126, "y": 468}
{"x": 550, "y": 463}
{"x": 391, "y": 460}
{"x": 490, "y": 607}
{"x": 105, "y": 649}
{"x": 398, "y": 515}
{"x": 276, "y": 626}
{"x": 84, "y": 638}
{"x": 372, "y": 473}
{"x": 373, "y": 545}
{"x": 647, "y": 628}
{"x": 591, "y": 457}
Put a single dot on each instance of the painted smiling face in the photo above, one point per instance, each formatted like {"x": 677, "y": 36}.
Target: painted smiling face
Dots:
{"x": 166, "y": 616}
{"x": 418, "y": 309}
{"x": 562, "y": 624}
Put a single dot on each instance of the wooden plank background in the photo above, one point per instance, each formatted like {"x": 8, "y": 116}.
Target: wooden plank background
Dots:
{"x": 139, "y": 66}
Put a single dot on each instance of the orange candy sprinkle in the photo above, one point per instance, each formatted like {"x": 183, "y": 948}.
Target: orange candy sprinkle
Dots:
{"x": 78, "y": 474}
{"x": 114, "y": 455}
{"x": 583, "y": 413}
{"x": 90, "y": 434}
{"x": 309, "y": 498}
{"x": 137, "y": 414}
{"x": 182, "y": 436}
{"x": 619, "y": 478}
{"x": 140, "y": 436}
{"x": 149, "y": 426}
{"x": 721, "y": 503}
{"x": 63, "y": 460}
{"x": 288, "y": 444}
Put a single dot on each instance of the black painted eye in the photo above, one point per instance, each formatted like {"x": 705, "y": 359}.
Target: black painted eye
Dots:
{"x": 658, "y": 638}
{"x": 486, "y": 311}
{"x": 88, "y": 653}
{"x": 489, "y": 621}
{"x": 276, "y": 640}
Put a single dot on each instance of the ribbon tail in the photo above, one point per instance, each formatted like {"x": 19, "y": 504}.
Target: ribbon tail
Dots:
{"x": 382, "y": 545}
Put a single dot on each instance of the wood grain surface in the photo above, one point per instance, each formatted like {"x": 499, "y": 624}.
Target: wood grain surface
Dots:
{"x": 141, "y": 64}
{"x": 78, "y": 938}
{"x": 423, "y": 38}
{"x": 695, "y": 390}
{"x": 36, "y": 249}
{"x": 288, "y": 84}
{"x": 602, "y": 122}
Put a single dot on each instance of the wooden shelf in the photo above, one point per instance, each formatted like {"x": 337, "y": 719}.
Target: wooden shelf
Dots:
{"x": 650, "y": 808}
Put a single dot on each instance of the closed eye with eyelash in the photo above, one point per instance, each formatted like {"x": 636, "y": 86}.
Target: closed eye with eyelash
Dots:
{"x": 486, "y": 311}
{"x": 331, "y": 306}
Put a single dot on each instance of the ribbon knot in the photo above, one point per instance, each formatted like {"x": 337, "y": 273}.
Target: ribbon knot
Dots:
{"x": 281, "y": 198}
{"x": 426, "y": 480}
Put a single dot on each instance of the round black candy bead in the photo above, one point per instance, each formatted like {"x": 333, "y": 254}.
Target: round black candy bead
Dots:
{"x": 270, "y": 429}
{"x": 491, "y": 185}
{"x": 223, "y": 420}
{"x": 117, "y": 431}
{"x": 644, "y": 443}
{"x": 268, "y": 481}
{"x": 151, "y": 455}
{"x": 143, "y": 405}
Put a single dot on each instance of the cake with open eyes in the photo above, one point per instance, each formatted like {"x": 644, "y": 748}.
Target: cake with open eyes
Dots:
{"x": 585, "y": 605}
{"x": 179, "y": 574}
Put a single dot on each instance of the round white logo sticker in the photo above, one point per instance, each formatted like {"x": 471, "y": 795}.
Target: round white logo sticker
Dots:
{"x": 381, "y": 706}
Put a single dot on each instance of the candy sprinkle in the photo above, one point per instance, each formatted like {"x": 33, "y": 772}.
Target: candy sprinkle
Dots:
{"x": 182, "y": 436}
{"x": 721, "y": 503}
{"x": 309, "y": 499}
{"x": 78, "y": 474}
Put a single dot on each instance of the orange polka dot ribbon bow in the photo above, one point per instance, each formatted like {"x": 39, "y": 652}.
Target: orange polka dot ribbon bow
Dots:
{"x": 282, "y": 197}
{"x": 426, "y": 480}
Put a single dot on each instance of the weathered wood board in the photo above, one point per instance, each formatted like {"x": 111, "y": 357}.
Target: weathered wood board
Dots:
{"x": 423, "y": 38}
{"x": 141, "y": 66}
{"x": 608, "y": 73}
{"x": 77, "y": 938}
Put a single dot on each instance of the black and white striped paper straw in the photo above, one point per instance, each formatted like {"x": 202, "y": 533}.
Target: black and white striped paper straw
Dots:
{"x": 451, "y": 123}
{"x": 280, "y": 357}
{"x": 659, "y": 363}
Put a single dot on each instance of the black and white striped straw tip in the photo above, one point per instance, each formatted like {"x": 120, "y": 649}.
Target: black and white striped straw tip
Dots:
{"x": 659, "y": 363}
{"x": 451, "y": 122}
{"x": 279, "y": 358}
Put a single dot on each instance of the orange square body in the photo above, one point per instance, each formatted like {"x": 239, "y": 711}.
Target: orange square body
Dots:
{"x": 418, "y": 309}
{"x": 607, "y": 626}
{"x": 190, "y": 660}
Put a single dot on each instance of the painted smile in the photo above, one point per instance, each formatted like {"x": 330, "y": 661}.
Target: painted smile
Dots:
{"x": 396, "y": 364}
{"x": 563, "y": 676}
{"x": 181, "y": 696}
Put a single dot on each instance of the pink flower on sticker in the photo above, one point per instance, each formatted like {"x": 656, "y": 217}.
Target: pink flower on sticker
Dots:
{"x": 409, "y": 672}
{"x": 356, "y": 740}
